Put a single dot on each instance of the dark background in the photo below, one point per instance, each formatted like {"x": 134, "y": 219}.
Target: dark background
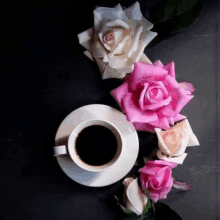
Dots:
{"x": 45, "y": 76}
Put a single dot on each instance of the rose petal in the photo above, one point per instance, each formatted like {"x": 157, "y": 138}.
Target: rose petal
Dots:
{"x": 182, "y": 186}
{"x": 162, "y": 146}
{"x": 134, "y": 13}
{"x": 116, "y": 62}
{"x": 99, "y": 52}
{"x": 135, "y": 40}
{"x": 170, "y": 67}
{"x": 166, "y": 111}
{"x": 176, "y": 159}
{"x": 129, "y": 104}
{"x": 143, "y": 127}
{"x": 120, "y": 92}
{"x": 158, "y": 63}
{"x": 85, "y": 39}
{"x": 135, "y": 196}
{"x": 179, "y": 117}
{"x": 187, "y": 86}
{"x": 142, "y": 96}
{"x": 162, "y": 123}
{"x": 179, "y": 98}
{"x": 143, "y": 71}
{"x": 155, "y": 106}
{"x": 145, "y": 59}
{"x": 102, "y": 15}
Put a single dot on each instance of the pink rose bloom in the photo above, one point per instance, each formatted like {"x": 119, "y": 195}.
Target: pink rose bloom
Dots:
{"x": 151, "y": 97}
{"x": 156, "y": 177}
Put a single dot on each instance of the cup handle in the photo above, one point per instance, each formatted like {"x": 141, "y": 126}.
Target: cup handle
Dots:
{"x": 59, "y": 150}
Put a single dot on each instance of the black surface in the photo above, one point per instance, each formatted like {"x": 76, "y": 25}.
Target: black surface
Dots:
{"x": 45, "y": 76}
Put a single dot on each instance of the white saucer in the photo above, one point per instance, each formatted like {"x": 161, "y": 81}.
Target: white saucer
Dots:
{"x": 122, "y": 166}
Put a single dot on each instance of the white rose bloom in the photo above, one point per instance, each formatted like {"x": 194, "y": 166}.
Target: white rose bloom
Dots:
{"x": 117, "y": 40}
{"x": 133, "y": 199}
{"x": 173, "y": 142}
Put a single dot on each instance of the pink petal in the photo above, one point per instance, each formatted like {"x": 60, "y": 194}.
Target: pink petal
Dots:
{"x": 162, "y": 123}
{"x": 143, "y": 127}
{"x": 161, "y": 163}
{"x": 141, "y": 100}
{"x": 179, "y": 117}
{"x": 171, "y": 84}
{"x": 133, "y": 112}
{"x": 187, "y": 86}
{"x": 182, "y": 100}
{"x": 165, "y": 163}
{"x": 171, "y": 120}
{"x": 120, "y": 92}
{"x": 142, "y": 71}
{"x": 159, "y": 104}
{"x": 158, "y": 63}
{"x": 166, "y": 111}
{"x": 181, "y": 186}
{"x": 179, "y": 97}
{"x": 170, "y": 67}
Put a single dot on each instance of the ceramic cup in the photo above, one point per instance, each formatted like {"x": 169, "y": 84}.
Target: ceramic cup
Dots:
{"x": 70, "y": 148}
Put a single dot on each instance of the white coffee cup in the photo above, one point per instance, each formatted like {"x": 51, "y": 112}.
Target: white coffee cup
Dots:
{"x": 70, "y": 148}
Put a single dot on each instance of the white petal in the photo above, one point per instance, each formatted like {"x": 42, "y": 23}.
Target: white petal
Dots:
{"x": 162, "y": 146}
{"x": 118, "y": 6}
{"x": 135, "y": 40}
{"x": 147, "y": 36}
{"x": 85, "y": 38}
{"x": 106, "y": 71}
{"x": 99, "y": 51}
{"x": 177, "y": 159}
{"x": 183, "y": 145}
{"x": 89, "y": 55}
{"x": 127, "y": 181}
{"x": 134, "y": 13}
{"x": 119, "y": 47}
{"x": 193, "y": 141}
{"x": 117, "y": 62}
{"x": 144, "y": 59}
{"x": 136, "y": 200}
{"x": 102, "y": 15}
{"x": 116, "y": 23}
{"x": 141, "y": 45}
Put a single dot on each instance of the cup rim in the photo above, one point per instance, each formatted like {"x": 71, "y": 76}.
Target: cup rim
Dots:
{"x": 72, "y": 147}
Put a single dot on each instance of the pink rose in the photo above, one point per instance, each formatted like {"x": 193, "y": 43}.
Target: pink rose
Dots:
{"x": 156, "y": 177}
{"x": 151, "y": 97}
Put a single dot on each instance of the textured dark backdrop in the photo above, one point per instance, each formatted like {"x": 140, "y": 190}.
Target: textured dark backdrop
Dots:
{"x": 45, "y": 76}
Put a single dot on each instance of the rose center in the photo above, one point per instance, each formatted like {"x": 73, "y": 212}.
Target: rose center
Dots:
{"x": 172, "y": 139}
{"x": 155, "y": 94}
{"x": 109, "y": 38}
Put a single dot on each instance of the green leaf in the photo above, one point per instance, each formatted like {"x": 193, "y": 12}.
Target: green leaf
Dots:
{"x": 128, "y": 214}
{"x": 173, "y": 18}
{"x": 169, "y": 9}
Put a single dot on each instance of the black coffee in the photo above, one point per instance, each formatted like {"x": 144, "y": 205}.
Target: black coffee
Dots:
{"x": 96, "y": 145}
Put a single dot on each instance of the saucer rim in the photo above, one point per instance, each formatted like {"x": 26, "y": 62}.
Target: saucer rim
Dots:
{"x": 132, "y": 157}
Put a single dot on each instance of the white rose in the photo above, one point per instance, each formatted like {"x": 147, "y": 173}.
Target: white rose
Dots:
{"x": 133, "y": 199}
{"x": 117, "y": 40}
{"x": 173, "y": 142}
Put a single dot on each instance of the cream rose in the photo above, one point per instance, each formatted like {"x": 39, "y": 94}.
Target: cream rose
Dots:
{"x": 117, "y": 40}
{"x": 173, "y": 142}
{"x": 133, "y": 199}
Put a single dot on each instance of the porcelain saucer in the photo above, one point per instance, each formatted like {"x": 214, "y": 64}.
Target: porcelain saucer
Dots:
{"x": 122, "y": 166}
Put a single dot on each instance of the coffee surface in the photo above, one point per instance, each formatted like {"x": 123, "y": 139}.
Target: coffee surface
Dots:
{"x": 96, "y": 145}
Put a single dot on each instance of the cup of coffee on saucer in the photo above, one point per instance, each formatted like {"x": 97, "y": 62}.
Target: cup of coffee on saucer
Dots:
{"x": 94, "y": 145}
